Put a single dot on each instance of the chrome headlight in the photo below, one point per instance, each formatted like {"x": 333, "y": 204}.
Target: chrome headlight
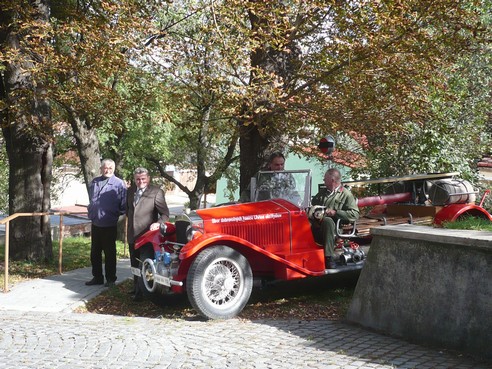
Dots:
{"x": 189, "y": 233}
{"x": 194, "y": 227}
{"x": 194, "y": 230}
{"x": 163, "y": 229}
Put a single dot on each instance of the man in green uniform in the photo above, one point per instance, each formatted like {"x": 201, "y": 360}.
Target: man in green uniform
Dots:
{"x": 340, "y": 204}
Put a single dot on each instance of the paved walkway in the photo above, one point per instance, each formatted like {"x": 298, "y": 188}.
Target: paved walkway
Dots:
{"x": 39, "y": 330}
{"x": 58, "y": 293}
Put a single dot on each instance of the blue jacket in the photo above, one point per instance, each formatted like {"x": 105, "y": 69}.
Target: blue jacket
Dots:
{"x": 106, "y": 202}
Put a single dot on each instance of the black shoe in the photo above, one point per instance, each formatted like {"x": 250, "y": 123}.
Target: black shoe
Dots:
{"x": 94, "y": 281}
{"x": 330, "y": 263}
{"x": 109, "y": 284}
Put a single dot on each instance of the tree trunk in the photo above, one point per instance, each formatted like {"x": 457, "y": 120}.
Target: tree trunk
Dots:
{"x": 87, "y": 146}
{"x": 30, "y": 164}
{"x": 256, "y": 133}
{"x": 26, "y": 126}
{"x": 253, "y": 147}
{"x": 194, "y": 197}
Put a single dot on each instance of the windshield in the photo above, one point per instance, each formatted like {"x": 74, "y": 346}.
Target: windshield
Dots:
{"x": 291, "y": 185}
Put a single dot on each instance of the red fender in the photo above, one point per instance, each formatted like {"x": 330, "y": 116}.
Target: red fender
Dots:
{"x": 451, "y": 213}
{"x": 155, "y": 238}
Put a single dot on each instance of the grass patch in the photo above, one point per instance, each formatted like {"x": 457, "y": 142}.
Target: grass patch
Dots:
{"x": 76, "y": 254}
{"x": 471, "y": 223}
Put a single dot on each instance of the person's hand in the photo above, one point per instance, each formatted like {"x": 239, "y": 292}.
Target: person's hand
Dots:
{"x": 154, "y": 226}
{"x": 330, "y": 212}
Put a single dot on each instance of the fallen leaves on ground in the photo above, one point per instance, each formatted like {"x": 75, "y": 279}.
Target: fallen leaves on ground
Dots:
{"x": 279, "y": 301}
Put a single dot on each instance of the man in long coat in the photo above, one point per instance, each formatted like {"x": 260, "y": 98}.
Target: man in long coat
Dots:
{"x": 146, "y": 210}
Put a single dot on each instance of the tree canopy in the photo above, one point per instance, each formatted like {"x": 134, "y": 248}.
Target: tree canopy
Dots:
{"x": 285, "y": 74}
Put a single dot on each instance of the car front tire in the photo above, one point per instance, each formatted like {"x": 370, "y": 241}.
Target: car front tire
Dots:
{"x": 219, "y": 282}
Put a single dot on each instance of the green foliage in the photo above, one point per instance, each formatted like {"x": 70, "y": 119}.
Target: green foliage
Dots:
{"x": 455, "y": 134}
{"x": 90, "y": 55}
{"x": 482, "y": 187}
{"x": 231, "y": 176}
{"x": 145, "y": 128}
{"x": 360, "y": 66}
{"x": 197, "y": 73}
{"x": 180, "y": 101}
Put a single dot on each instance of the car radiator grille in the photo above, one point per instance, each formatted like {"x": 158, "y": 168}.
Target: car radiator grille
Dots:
{"x": 264, "y": 234}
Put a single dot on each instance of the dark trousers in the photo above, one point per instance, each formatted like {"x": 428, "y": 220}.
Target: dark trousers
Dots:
{"x": 324, "y": 233}
{"x": 134, "y": 254}
{"x": 103, "y": 239}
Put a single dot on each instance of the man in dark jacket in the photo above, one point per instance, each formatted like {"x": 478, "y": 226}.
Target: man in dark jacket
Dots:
{"x": 146, "y": 210}
{"x": 107, "y": 196}
{"x": 340, "y": 204}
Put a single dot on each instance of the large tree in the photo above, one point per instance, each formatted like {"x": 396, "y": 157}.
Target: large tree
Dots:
{"x": 68, "y": 64}
{"x": 93, "y": 44}
{"x": 331, "y": 66}
{"x": 4, "y": 179}
{"x": 297, "y": 70}
{"x": 197, "y": 97}
{"x": 455, "y": 131}
{"x": 25, "y": 118}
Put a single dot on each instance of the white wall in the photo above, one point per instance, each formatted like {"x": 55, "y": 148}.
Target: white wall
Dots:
{"x": 68, "y": 189}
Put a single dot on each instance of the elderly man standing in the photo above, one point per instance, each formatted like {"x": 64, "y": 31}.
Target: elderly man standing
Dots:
{"x": 340, "y": 204}
{"x": 146, "y": 210}
{"x": 107, "y": 196}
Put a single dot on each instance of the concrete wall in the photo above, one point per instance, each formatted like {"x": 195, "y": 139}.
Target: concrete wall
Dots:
{"x": 430, "y": 286}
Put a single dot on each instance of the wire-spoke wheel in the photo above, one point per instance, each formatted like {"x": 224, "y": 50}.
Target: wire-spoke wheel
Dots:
{"x": 146, "y": 281}
{"x": 219, "y": 282}
{"x": 148, "y": 273}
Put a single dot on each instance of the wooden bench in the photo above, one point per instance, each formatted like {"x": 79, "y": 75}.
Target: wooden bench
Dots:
{"x": 363, "y": 225}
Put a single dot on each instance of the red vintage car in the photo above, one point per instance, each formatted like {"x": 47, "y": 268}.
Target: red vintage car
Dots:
{"x": 215, "y": 254}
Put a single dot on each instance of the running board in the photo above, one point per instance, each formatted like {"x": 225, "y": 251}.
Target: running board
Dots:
{"x": 345, "y": 268}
